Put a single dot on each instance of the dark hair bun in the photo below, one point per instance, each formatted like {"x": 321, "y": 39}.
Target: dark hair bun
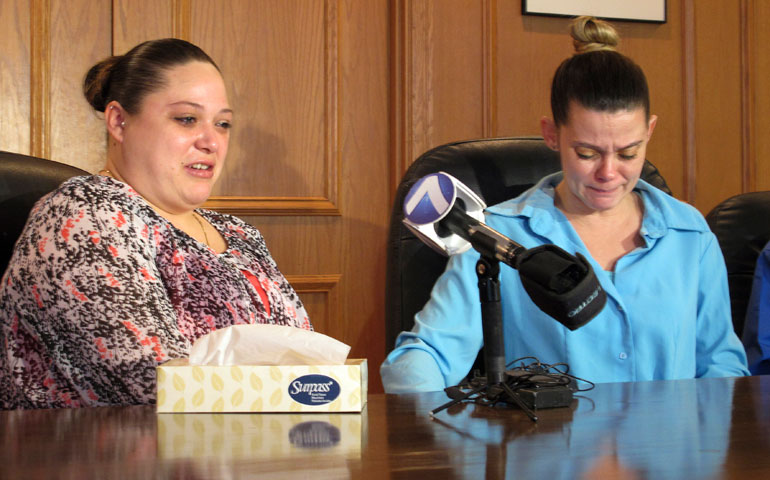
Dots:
{"x": 96, "y": 85}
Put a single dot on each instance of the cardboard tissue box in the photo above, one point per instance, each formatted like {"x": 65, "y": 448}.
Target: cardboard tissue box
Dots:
{"x": 234, "y": 370}
{"x": 254, "y": 388}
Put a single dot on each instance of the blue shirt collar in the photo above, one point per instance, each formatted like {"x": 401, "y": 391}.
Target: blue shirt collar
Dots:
{"x": 660, "y": 212}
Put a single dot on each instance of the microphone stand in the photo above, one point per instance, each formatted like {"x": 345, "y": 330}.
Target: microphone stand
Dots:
{"x": 494, "y": 386}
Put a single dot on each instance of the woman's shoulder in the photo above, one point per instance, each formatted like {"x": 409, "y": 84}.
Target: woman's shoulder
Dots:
{"x": 96, "y": 190}
{"x": 669, "y": 212}
{"x": 94, "y": 196}
{"x": 537, "y": 199}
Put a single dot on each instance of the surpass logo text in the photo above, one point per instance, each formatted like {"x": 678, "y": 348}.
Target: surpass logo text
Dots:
{"x": 300, "y": 387}
{"x": 314, "y": 389}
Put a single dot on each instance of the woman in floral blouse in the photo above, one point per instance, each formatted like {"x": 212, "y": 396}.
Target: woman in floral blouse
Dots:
{"x": 118, "y": 272}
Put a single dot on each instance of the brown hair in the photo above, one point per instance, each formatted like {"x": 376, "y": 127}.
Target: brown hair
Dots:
{"x": 597, "y": 76}
{"x": 131, "y": 77}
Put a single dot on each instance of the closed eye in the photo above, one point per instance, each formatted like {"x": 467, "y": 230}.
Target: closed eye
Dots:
{"x": 585, "y": 153}
{"x": 629, "y": 153}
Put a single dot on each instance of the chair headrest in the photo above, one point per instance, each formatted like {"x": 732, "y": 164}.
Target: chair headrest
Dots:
{"x": 23, "y": 180}
{"x": 741, "y": 227}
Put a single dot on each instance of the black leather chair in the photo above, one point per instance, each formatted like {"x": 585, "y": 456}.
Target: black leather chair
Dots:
{"x": 497, "y": 169}
{"x": 741, "y": 225}
{"x": 23, "y": 180}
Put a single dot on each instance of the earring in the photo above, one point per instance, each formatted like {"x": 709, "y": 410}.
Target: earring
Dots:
{"x": 122, "y": 124}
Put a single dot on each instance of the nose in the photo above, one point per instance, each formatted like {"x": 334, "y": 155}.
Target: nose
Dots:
{"x": 607, "y": 168}
{"x": 208, "y": 139}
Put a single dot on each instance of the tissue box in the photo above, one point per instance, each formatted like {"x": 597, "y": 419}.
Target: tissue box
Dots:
{"x": 232, "y": 436}
{"x": 249, "y": 388}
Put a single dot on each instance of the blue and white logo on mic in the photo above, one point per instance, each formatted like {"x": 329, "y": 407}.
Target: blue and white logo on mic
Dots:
{"x": 429, "y": 199}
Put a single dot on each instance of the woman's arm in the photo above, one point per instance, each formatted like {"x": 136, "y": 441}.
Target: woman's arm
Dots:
{"x": 756, "y": 330}
{"x": 87, "y": 317}
{"x": 718, "y": 350}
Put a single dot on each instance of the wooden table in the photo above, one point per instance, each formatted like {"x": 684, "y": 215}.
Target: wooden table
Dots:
{"x": 707, "y": 428}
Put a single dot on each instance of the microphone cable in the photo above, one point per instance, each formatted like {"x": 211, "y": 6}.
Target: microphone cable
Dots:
{"x": 538, "y": 374}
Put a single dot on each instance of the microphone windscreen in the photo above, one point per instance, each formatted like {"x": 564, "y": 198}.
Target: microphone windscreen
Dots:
{"x": 561, "y": 285}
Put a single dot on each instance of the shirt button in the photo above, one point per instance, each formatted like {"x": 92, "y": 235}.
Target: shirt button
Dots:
{"x": 623, "y": 355}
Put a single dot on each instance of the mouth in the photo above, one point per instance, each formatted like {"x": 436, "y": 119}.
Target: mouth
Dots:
{"x": 200, "y": 170}
{"x": 200, "y": 166}
{"x": 604, "y": 191}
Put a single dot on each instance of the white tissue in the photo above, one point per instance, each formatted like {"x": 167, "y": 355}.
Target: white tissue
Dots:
{"x": 258, "y": 344}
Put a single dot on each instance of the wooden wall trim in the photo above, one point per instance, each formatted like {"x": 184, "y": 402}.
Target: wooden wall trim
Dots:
{"x": 40, "y": 77}
{"x": 399, "y": 104}
{"x": 271, "y": 206}
{"x": 412, "y": 45}
{"x": 414, "y": 62}
{"x": 314, "y": 283}
{"x": 181, "y": 15}
{"x": 420, "y": 82}
{"x": 413, "y": 78}
{"x": 689, "y": 100}
{"x": 325, "y": 205}
{"x": 748, "y": 153}
{"x": 489, "y": 68}
{"x": 333, "y": 154}
{"x": 323, "y": 284}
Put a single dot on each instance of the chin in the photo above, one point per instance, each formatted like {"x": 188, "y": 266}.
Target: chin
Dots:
{"x": 198, "y": 196}
{"x": 601, "y": 206}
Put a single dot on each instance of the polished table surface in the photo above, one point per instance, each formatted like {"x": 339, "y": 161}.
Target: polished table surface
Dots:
{"x": 706, "y": 428}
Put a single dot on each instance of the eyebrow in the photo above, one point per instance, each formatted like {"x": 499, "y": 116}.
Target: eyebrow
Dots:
{"x": 198, "y": 106}
{"x": 594, "y": 147}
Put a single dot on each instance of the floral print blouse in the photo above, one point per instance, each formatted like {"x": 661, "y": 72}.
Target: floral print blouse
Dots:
{"x": 101, "y": 289}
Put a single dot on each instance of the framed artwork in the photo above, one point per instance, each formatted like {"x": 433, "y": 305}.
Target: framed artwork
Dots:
{"x": 633, "y": 10}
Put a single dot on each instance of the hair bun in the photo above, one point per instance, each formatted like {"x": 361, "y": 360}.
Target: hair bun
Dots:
{"x": 96, "y": 84}
{"x": 590, "y": 34}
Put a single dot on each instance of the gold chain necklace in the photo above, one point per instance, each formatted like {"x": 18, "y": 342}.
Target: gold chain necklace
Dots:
{"x": 195, "y": 216}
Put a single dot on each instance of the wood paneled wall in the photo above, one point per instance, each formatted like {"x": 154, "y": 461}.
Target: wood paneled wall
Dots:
{"x": 335, "y": 98}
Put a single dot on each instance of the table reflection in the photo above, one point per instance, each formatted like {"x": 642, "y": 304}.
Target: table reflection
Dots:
{"x": 626, "y": 430}
{"x": 118, "y": 442}
{"x": 136, "y": 442}
{"x": 255, "y": 436}
{"x": 706, "y": 428}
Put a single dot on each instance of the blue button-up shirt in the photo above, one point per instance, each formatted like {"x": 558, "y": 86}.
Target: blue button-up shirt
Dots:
{"x": 756, "y": 330}
{"x": 667, "y": 314}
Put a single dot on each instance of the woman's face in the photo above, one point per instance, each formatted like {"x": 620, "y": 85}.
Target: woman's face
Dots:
{"x": 602, "y": 155}
{"x": 174, "y": 148}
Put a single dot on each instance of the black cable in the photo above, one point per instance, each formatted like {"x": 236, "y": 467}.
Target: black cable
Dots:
{"x": 537, "y": 374}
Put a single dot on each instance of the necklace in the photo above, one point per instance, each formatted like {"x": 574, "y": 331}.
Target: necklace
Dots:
{"x": 105, "y": 172}
{"x": 195, "y": 216}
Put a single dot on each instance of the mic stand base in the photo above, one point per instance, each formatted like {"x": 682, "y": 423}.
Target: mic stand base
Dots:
{"x": 494, "y": 386}
{"x": 494, "y": 394}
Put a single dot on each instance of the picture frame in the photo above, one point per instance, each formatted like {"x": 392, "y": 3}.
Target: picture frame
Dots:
{"x": 650, "y": 11}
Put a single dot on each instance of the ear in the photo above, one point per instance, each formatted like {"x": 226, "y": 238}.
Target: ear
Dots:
{"x": 651, "y": 126}
{"x": 550, "y": 133}
{"x": 115, "y": 119}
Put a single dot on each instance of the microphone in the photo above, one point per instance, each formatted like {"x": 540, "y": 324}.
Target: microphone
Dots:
{"x": 448, "y": 216}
